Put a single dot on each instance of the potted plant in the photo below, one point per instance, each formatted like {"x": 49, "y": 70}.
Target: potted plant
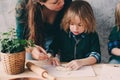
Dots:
{"x": 13, "y": 51}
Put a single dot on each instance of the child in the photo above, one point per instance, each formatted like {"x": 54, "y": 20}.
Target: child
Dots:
{"x": 114, "y": 38}
{"x": 77, "y": 42}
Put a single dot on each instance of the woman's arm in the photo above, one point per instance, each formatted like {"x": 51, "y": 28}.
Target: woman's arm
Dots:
{"x": 37, "y": 52}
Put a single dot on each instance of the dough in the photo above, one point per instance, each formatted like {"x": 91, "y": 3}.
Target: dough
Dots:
{"x": 62, "y": 68}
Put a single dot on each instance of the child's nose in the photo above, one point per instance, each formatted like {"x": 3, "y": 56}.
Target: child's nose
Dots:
{"x": 75, "y": 27}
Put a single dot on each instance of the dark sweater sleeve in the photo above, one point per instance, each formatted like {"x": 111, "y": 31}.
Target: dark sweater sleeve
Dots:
{"x": 54, "y": 46}
{"x": 114, "y": 40}
{"x": 95, "y": 47}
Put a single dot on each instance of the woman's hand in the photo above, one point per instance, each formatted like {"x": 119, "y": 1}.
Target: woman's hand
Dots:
{"x": 75, "y": 64}
{"x": 39, "y": 53}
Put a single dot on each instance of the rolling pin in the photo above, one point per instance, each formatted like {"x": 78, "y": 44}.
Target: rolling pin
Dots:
{"x": 40, "y": 71}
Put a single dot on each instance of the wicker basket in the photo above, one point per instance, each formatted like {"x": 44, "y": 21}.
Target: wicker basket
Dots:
{"x": 13, "y": 63}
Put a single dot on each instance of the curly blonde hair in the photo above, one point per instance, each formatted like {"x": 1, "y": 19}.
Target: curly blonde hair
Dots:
{"x": 82, "y": 9}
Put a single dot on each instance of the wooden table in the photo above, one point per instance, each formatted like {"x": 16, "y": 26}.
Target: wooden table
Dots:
{"x": 27, "y": 73}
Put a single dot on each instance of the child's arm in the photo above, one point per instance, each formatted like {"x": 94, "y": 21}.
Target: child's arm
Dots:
{"x": 113, "y": 48}
{"x": 54, "y": 60}
{"x": 115, "y": 51}
{"x": 77, "y": 64}
{"x": 114, "y": 42}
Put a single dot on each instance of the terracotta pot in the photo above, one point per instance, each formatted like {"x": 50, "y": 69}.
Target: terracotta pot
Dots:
{"x": 13, "y": 63}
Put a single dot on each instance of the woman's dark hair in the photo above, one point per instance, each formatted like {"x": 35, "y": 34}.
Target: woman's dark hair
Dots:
{"x": 35, "y": 21}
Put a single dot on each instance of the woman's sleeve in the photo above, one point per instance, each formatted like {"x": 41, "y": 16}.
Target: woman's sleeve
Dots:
{"x": 53, "y": 48}
{"x": 21, "y": 20}
{"x": 56, "y": 44}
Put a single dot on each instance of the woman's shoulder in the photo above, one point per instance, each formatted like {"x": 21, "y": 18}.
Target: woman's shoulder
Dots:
{"x": 22, "y": 3}
{"x": 21, "y": 8}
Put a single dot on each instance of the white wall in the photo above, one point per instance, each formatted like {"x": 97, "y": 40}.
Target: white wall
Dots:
{"x": 7, "y": 14}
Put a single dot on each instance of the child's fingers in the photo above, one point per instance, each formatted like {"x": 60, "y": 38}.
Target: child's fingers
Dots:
{"x": 75, "y": 68}
{"x": 70, "y": 65}
{"x": 55, "y": 62}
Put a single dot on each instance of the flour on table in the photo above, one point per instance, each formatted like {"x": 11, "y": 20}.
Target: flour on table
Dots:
{"x": 62, "y": 68}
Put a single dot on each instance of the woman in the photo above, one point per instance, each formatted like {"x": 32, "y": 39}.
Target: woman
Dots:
{"x": 39, "y": 20}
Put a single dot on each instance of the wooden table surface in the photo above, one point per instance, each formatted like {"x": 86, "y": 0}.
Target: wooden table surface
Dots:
{"x": 3, "y": 76}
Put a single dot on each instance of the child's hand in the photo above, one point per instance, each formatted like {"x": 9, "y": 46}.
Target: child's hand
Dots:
{"x": 75, "y": 64}
{"x": 55, "y": 61}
